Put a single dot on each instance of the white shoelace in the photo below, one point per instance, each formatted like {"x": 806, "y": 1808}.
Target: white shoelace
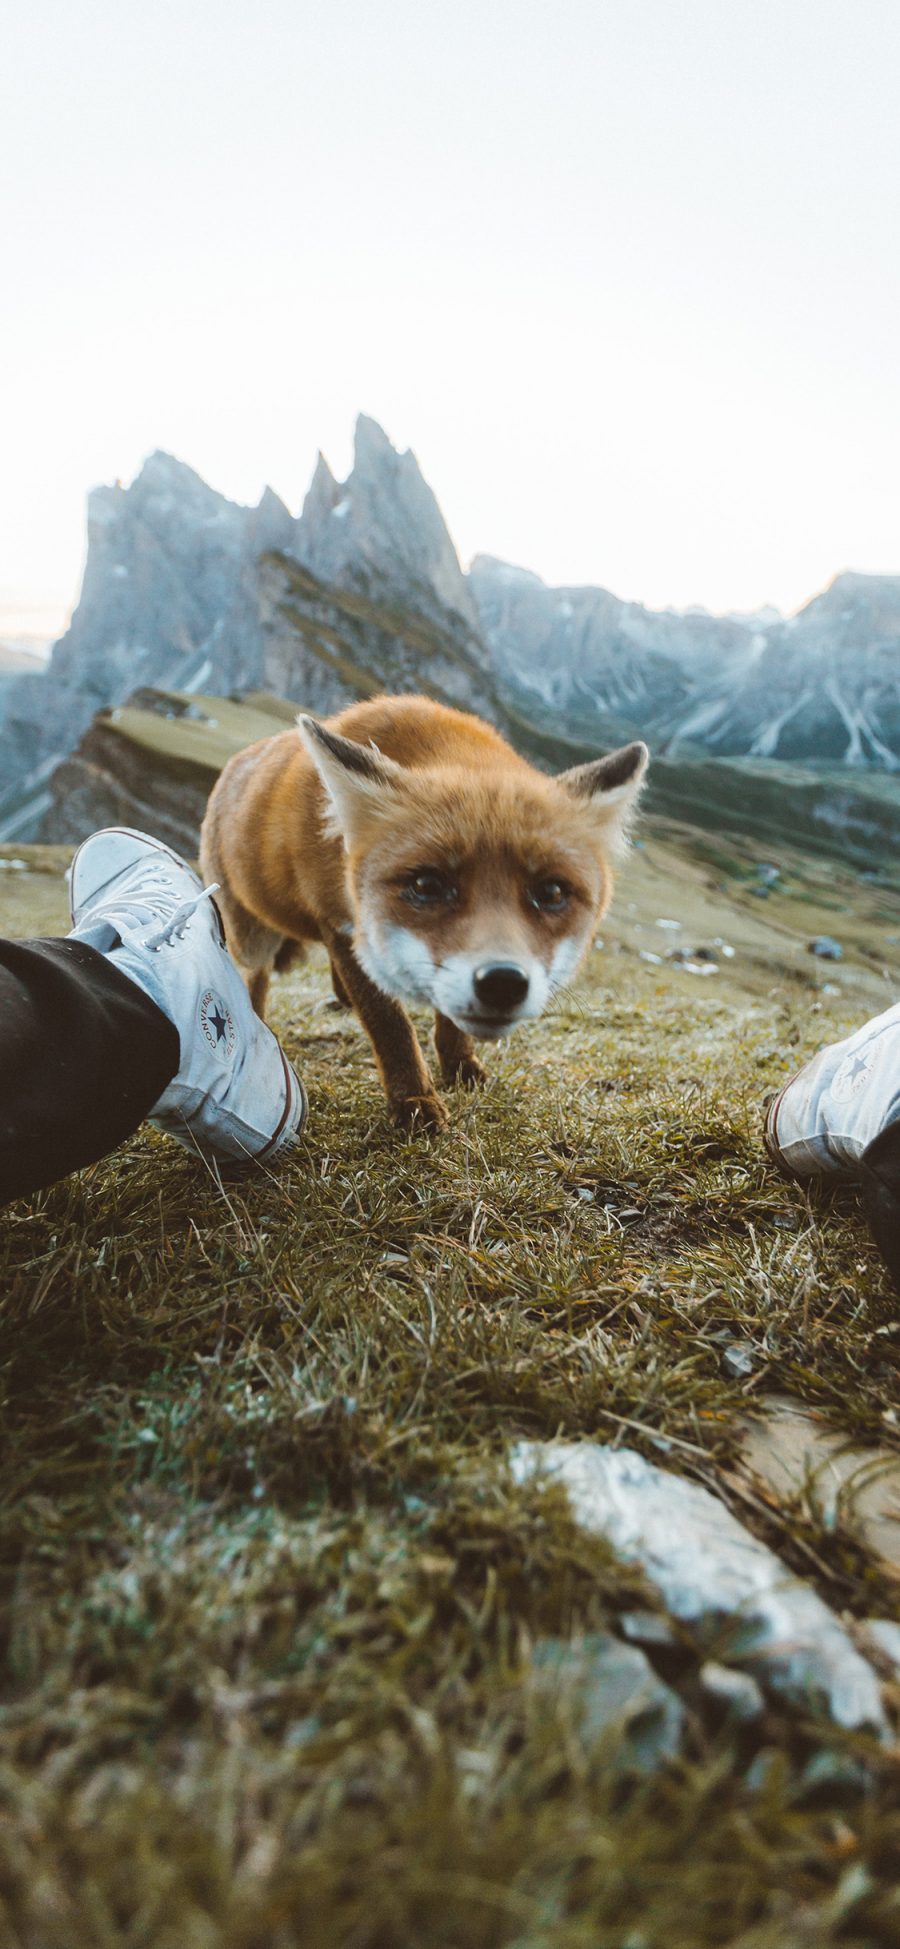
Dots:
{"x": 175, "y": 928}
{"x": 147, "y": 899}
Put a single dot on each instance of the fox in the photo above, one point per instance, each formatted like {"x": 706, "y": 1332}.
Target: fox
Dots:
{"x": 437, "y": 866}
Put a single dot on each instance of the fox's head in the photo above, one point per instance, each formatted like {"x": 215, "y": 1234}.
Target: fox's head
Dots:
{"x": 475, "y": 891}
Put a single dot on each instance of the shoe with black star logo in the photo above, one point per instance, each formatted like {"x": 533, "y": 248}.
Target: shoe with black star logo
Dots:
{"x": 839, "y": 1117}
{"x": 235, "y": 1096}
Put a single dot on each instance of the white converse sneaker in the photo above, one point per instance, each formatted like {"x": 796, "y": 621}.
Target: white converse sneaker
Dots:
{"x": 826, "y": 1116}
{"x": 235, "y": 1096}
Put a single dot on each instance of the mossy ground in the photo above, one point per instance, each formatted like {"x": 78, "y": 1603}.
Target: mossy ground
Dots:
{"x": 269, "y": 1591}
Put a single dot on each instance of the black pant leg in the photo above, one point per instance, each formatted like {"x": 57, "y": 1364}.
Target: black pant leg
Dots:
{"x": 84, "y": 1054}
{"x": 879, "y": 1169}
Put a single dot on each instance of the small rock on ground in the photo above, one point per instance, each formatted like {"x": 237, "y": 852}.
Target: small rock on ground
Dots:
{"x": 708, "y": 1568}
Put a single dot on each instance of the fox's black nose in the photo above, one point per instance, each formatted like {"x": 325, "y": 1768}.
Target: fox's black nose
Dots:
{"x": 500, "y": 986}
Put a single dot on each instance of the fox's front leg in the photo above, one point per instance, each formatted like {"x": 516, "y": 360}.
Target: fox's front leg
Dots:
{"x": 456, "y": 1054}
{"x": 341, "y": 997}
{"x": 408, "y": 1085}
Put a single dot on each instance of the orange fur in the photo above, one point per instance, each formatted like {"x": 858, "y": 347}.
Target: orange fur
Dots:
{"x": 308, "y": 847}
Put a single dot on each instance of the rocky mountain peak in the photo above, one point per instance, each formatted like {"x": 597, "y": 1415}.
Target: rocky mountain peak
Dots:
{"x": 166, "y": 498}
{"x": 371, "y": 447}
{"x": 382, "y": 529}
{"x": 323, "y": 495}
{"x": 162, "y": 469}
{"x": 162, "y": 602}
{"x": 857, "y": 599}
{"x": 271, "y": 524}
{"x": 491, "y": 566}
{"x": 853, "y": 581}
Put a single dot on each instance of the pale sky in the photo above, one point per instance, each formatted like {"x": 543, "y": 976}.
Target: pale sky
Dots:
{"x": 625, "y": 274}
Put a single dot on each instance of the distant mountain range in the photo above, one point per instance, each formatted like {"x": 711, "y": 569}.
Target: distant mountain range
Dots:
{"x": 823, "y": 685}
{"x": 185, "y": 591}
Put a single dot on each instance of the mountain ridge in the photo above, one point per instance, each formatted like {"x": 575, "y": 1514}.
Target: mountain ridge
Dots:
{"x": 823, "y": 684}
{"x": 186, "y": 590}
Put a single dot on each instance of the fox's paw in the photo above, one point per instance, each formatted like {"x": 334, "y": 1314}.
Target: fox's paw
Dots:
{"x": 419, "y": 1113}
{"x": 469, "y": 1073}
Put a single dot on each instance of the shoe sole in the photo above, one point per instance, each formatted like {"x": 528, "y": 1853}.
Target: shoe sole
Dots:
{"x": 237, "y": 1153}
{"x": 770, "y": 1131}
{"x": 123, "y": 832}
{"x": 294, "y": 1093}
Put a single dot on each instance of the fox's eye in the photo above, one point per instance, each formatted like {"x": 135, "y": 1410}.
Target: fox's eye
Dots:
{"x": 429, "y": 887}
{"x": 550, "y": 896}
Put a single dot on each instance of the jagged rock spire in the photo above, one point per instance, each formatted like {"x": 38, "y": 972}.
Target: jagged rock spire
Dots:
{"x": 383, "y": 523}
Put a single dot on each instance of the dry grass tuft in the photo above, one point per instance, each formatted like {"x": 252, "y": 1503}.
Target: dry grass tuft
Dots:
{"x": 269, "y": 1592}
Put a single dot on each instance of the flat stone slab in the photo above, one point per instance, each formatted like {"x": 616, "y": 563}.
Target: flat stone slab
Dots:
{"x": 710, "y": 1570}
{"x": 843, "y": 1484}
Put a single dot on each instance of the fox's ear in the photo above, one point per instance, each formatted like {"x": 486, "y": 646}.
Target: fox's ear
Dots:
{"x": 358, "y": 779}
{"x": 611, "y": 784}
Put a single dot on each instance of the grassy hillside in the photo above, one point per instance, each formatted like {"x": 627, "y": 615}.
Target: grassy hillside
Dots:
{"x": 326, "y": 645}
{"x": 271, "y": 1597}
{"x": 152, "y": 763}
{"x": 197, "y": 734}
{"x": 831, "y": 812}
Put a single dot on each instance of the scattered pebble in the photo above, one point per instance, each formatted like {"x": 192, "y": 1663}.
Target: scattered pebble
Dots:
{"x": 675, "y": 925}
{"x": 14, "y": 865}
{"x": 826, "y": 948}
{"x": 654, "y": 959}
{"x": 739, "y": 1360}
{"x": 700, "y": 962}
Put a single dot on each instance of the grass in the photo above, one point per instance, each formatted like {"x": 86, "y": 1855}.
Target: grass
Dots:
{"x": 204, "y": 741}
{"x": 270, "y": 1595}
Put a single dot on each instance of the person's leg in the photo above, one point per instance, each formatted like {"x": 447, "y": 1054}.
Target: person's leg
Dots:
{"x": 140, "y": 1012}
{"x": 839, "y": 1118}
{"x": 84, "y": 1056}
{"x": 879, "y": 1169}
